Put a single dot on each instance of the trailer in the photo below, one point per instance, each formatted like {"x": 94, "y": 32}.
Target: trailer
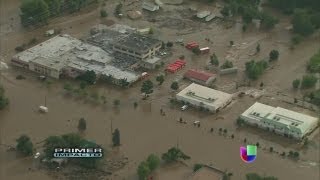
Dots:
{"x": 205, "y": 50}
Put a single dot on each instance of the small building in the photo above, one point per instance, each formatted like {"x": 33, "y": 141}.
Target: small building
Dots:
{"x": 200, "y": 77}
{"x": 204, "y": 97}
{"x": 150, "y": 63}
{"x": 279, "y": 120}
{"x": 137, "y": 46}
{"x": 150, "y": 6}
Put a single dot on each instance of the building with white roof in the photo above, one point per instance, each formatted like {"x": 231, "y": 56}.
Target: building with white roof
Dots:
{"x": 280, "y": 120}
{"x": 64, "y": 54}
{"x": 207, "y": 98}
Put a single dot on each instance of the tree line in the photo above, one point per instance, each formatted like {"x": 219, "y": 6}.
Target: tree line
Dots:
{"x": 306, "y": 14}
{"x": 248, "y": 9}
{"x": 34, "y": 12}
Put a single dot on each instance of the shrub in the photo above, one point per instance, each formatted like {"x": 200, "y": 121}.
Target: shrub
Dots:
{"x": 308, "y": 81}
{"x": 274, "y": 55}
{"x": 103, "y": 13}
{"x": 296, "y": 83}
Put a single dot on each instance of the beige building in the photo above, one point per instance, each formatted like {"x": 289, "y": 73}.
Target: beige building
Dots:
{"x": 137, "y": 46}
{"x": 279, "y": 120}
{"x": 207, "y": 98}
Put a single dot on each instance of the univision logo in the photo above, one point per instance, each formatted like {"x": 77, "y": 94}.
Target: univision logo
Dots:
{"x": 248, "y": 154}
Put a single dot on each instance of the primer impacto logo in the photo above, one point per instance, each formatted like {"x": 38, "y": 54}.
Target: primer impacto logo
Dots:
{"x": 77, "y": 152}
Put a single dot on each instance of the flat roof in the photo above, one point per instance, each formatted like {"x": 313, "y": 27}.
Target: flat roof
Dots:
{"x": 204, "y": 95}
{"x": 283, "y": 117}
{"x": 53, "y": 47}
{"x": 152, "y": 60}
{"x": 137, "y": 42}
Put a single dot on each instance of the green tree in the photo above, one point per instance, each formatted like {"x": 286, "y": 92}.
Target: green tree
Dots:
{"x": 88, "y": 77}
{"x": 214, "y": 60}
{"x": 116, "y": 137}
{"x": 153, "y": 161}
{"x": 124, "y": 82}
{"x": 254, "y": 176}
{"x": 173, "y": 154}
{"x": 118, "y": 10}
{"x": 196, "y": 167}
{"x": 116, "y": 102}
{"x": 174, "y": 86}
{"x": 227, "y": 64}
{"x": 24, "y": 145}
{"x": 231, "y": 43}
{"x": 196, "y": 50}
{"x": 68, "y": 87}
{"x": 169, "y": 44}
{"x": 225, "y": 11}
{"x": 273, "y": 55}
{"x": 143, "y": 170}
{"x": 52, "y": 142}
{"x": 255, "y": 69}
{"x": 147, "y": 87}
{"x": 34, "y": 12}
{"x": 160, "y": 79}
{"x": 82, "y": 124}
{"x": 268, "y": 21}
{"x": 308, "y": 81}
{"x": 107, "y": 78}
{"x": 302, "y": 23}
{"x": 54, "y": 6}
{"x": 314, "y": 63}
{"x": 103, "y": 13}
{"x": 258, "y": 48}
{"x": 296, "y": 83}
{"x": 135, "y": 104}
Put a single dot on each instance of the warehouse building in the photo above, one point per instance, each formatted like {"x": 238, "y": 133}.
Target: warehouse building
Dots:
{"x": 200, "y": 77}
{"x": 279, "y": 120}
{"x": 137, "y": 46}
{"x": 204, "y": 97}
{"x": 65, "y": 55}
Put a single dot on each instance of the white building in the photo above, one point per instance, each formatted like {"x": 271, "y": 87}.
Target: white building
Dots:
{"x": 201, "y": 96}
{"x": 280, "y": 120}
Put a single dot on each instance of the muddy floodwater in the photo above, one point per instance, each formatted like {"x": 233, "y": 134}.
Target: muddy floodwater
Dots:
{"x": 143, "y": 131}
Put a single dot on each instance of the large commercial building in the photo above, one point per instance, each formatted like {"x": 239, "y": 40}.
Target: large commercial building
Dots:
{"x": 207, "y": 98}
{"x": 280, "y": 120}
{"x": 66, "y": 55}
{"x": 137, "y": 46}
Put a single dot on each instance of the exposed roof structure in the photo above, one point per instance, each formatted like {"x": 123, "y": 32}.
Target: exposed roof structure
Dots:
{"x": 138, "y": 43}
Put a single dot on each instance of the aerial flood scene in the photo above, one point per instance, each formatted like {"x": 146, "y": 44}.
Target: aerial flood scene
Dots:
{"x": 159, "y": 89}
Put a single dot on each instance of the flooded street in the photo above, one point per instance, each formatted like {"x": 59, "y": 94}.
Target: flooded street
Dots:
{"x": 143, "y": 130}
